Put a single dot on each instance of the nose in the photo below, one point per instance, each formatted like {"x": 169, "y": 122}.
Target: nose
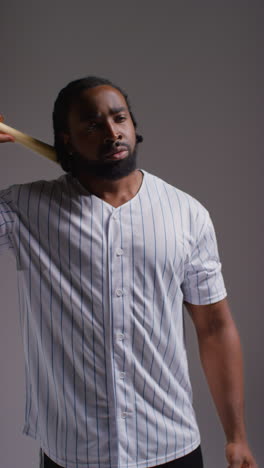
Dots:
{"x": 111, "y": 133}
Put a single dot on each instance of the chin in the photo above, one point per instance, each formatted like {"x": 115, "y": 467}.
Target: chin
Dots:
{"x": 109, "y": 169}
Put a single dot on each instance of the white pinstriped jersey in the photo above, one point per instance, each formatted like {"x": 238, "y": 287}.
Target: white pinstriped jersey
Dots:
{"x": 101, "y": 294}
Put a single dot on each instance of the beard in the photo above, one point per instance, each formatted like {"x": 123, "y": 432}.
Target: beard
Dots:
{"x": 105, "y": 169}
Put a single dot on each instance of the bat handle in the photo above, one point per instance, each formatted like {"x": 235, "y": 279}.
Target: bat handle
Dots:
{"x": 33, "y": 144}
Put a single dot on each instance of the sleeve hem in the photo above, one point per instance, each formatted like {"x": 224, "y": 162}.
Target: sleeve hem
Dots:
{"x": 209, "y": 300}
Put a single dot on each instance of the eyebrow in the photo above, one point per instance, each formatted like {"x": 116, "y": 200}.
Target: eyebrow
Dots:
{"x": 93, "y": 115}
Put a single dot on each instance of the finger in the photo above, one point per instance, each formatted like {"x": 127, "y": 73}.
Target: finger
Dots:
{"x": 5, "y": 138}
{"x": 236, "y": 463}
{"x": 239, "y": 463}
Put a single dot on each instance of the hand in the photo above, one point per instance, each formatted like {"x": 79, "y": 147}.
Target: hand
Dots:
{"x": 238, "y": 455}
{"x": 4, "y": 137}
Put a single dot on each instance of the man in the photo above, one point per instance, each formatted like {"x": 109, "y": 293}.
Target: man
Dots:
{"x": 107, "y": 255}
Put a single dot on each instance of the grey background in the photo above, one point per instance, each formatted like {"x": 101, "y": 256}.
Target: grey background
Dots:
{"x": 194, "y": 74}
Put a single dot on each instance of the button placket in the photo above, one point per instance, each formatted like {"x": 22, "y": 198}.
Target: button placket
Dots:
{"x": 120, "y": 336}
{"x": 119, "y": 292}
{"x": 120, "y": 271}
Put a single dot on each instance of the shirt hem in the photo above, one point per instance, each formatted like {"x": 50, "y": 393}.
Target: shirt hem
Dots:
{"x": 166, "y": 459}
{"x": 142, "y": 464}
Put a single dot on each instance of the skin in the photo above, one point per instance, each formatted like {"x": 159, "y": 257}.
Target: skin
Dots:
{"x": 221, "y": 358}
{"x": 218, "y": 339}
{"x": 4, "y": 137}
{"x": 90, "y": 138}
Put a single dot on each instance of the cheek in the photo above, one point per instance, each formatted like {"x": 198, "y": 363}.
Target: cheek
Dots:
{"x": 82, "y": 142}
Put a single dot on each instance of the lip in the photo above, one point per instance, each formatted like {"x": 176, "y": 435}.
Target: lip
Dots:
{"x": 119, "y": 153}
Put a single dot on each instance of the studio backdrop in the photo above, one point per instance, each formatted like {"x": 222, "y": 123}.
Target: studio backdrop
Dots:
{"x": 193, "y": 72}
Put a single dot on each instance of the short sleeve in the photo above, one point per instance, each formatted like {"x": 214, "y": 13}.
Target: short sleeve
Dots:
{"x": 203, "y": 280}
{"x": 7, "y": 218}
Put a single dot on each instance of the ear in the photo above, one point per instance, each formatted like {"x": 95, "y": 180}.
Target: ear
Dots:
{"x": 65, "y": 137}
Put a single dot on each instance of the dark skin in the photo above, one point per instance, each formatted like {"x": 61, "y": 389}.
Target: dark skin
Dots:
{"x": 95, "y": 123}
{"x": 221, "y": 357}
{"x": 217, "y": 334}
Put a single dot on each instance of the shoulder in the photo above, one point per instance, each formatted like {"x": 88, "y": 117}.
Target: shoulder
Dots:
{"x": 178, "y": 199}
{"x": 19, "y": 194}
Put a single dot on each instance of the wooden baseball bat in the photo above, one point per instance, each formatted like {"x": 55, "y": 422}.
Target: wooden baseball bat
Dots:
{"x": 32, "y": 143}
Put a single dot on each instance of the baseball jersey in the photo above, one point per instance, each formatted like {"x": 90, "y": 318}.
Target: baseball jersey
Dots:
{"x": 101, "y": 293}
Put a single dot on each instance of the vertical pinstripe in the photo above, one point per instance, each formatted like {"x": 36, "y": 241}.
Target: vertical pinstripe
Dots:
{"x": 103, "y": 266}
{"x": 143, "y": 323}
{"x": 40, "y": 306}
{"x": 93, "y": 341}
{"x": 83, "y": 332}
{"x": 180, "y": 380}
{"x": 72, "y": 329}
{"x": 30, "y": 298}
{"x": 123, "y": 330}
{"x": 133, "y": 324}
{"x": 22, "y": 310}
{"x": 60, "y": 251}
{"x": 107, "y": 380}
{"x": 152, "y": 328}
{"x": 52, "y": 330}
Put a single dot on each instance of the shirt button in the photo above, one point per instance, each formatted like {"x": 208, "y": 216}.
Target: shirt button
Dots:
{"x": 121, "y": 336}
{"x": 124, "y": 415}
{"x": 119, "y": 251}
{"x": 115, "y": 217}
{"x": 119, "y": 292}
{"x": 122, "y": 375}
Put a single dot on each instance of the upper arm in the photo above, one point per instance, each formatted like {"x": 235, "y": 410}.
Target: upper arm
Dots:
{"x": 203, "y": 280}
{"x": 210, "y": 318}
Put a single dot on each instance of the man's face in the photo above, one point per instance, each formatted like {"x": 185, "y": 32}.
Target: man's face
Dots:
{"x": 101, "y": 134}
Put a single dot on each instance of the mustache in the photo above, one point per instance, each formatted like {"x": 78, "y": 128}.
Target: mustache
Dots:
{"x": 113, "y": 146}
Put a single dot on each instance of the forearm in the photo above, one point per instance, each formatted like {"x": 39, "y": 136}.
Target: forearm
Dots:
{"x": 222, "y": 362}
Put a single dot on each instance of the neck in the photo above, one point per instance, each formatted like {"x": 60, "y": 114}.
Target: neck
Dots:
{"x": 113, "y": 191}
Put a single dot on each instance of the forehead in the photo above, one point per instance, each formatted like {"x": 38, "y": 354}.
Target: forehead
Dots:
{"x": 99, "y": 100}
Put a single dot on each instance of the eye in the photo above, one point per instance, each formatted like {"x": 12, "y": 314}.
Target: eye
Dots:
{"x": 120, "y": 118}
{"x": 90, "y": 127}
